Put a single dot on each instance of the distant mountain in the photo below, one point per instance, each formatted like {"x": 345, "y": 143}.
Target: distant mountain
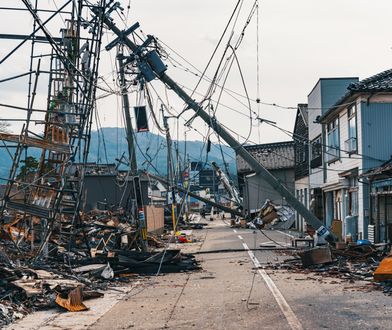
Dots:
{"x": 110, "y": 143}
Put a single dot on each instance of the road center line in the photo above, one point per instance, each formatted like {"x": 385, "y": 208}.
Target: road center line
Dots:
{"x": 291, "y": 318}
{"x": 240, "y": 237}
{"x": 235, "y": 231}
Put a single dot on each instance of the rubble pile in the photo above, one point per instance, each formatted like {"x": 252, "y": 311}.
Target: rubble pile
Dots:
{"x": 104, "y": 250}
{"x": 274, "y": 216}
{"x": 354, "y": 263}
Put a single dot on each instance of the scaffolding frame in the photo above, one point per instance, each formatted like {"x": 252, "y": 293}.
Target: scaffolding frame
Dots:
{"x": 52, "y": 197}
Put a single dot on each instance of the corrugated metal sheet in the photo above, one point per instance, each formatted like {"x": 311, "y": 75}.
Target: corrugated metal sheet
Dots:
{"x": 376, "y": 133}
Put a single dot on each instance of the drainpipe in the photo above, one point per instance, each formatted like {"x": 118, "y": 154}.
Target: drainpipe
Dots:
{"x": 369, "y": 205}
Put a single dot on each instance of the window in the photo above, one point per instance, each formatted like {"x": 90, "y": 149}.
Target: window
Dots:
{"x": 333, "y": 148}
{"x": 316, "y": 148}
{"x": 300, "y": 156}
{"x": 351, "y": 143}
{"x": 316, "y": 152}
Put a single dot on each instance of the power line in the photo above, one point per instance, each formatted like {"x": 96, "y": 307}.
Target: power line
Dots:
{"x": 230, "y": 91}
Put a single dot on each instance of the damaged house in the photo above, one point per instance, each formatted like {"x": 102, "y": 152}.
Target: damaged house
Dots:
{"x": 278, "y": 158}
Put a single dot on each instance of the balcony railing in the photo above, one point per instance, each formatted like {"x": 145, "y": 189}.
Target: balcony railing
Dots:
{"x": 351, "y": 145}
{"x": 332, "y": 154}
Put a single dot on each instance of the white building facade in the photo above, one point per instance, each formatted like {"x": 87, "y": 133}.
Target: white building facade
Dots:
{"x": 356, "y": 135}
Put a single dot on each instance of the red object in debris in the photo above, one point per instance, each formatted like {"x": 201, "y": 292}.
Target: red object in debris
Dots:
{"x": 182, "y": 239}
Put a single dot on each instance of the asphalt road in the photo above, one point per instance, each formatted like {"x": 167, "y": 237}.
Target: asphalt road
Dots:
{"x": 232, "y": 291}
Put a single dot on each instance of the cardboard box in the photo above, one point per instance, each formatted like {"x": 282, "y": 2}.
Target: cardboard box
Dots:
{"x": 316, "y": 256}
{"x": 155, "y": 219}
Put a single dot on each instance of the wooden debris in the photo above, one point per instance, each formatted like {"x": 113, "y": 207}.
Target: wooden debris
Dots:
{"x": 73, "y": 302}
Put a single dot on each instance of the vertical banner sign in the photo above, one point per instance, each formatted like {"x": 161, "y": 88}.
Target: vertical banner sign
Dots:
{"x": 141, "y": 119}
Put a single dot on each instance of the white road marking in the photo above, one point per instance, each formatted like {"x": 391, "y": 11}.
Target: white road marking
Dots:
{"x": 240, "y": 237}
{"x": 291, "y": 318}
{"x": 282, "y": 232}
{"x": 235, "y": 231}
{"x": 269, "y": 242}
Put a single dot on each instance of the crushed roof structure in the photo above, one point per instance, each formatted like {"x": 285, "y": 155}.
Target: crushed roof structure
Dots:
{"x": 381, "y": 82}
{"x": 383, "y": 170}
{"x": 272, "y": 156}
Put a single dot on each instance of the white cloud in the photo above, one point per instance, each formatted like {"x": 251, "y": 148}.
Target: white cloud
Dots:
{"x": 300, "y": 41}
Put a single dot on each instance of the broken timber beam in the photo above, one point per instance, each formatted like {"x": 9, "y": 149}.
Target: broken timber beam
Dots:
{"x": 34, "y": 142}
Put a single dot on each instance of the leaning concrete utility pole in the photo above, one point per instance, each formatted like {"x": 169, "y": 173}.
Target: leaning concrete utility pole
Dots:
{"x": 151, "y": 66}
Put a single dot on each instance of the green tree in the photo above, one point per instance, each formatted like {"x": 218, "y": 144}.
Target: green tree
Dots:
{"x": 29, "y": 168}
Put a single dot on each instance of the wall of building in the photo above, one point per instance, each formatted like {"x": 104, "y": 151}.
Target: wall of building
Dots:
{"x": 256, "y": 190}
{"x": 376, "y": 131}
{"x": 106, "y": 189}
{"x": 332, "y": 90}
{"x": 302, "y": 194}
{"x": 301, "y": 150}
{"x": 314, "y": 111}
{"x": 345, "y": 162}
{"x": 376, "y": 116}
{"x": 334, "y": 170}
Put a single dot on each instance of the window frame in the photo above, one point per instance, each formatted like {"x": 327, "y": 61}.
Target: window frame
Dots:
{"x": 316, "y": 152}
{"x": 352, "y": 116}
{"x": 333, "y": 127}
{"x": 316, "y": 145}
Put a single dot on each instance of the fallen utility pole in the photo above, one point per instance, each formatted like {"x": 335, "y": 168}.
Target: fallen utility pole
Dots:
{"x": 151, "y": 66}
{"x": 202, "y": 199}
{"x": 234, "y": 194}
